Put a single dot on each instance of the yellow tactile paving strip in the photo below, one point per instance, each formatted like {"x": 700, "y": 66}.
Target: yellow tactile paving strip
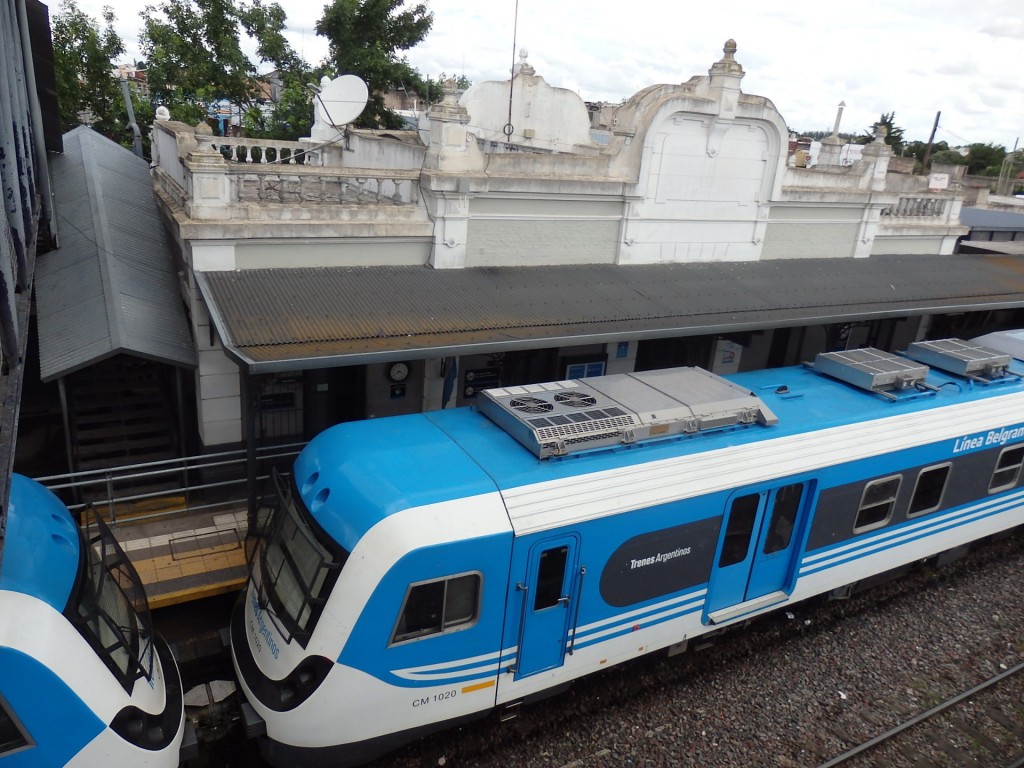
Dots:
{"x": 203, "y": 575}
{"x": 189, "y": 564}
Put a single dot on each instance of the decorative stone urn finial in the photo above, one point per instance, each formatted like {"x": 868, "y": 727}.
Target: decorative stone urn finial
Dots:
{"x": 524, "y": 66}
{"x": 727, "y": 65}
{"x": 451, "y": 91}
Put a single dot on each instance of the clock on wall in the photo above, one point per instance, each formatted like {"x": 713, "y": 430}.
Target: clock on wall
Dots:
{"x": 398, "y": 372}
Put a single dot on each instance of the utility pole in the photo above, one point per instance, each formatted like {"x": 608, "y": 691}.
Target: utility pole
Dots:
{"x": 928, "y": 149}
{"x": 1004, "y": 185}
{"x": 136, "y": 133}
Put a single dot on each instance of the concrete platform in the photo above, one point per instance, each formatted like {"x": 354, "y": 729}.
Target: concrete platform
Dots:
{"x": 187, "y": 557}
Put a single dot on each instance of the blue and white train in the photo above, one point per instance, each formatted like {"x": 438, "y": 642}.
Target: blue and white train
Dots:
{"x": 420, "y": 571}
{"x": 83, "y": 680}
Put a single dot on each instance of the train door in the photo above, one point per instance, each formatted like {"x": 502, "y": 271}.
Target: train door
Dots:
{"x": 547, "y": 596}
{"x": 757, "y": 551}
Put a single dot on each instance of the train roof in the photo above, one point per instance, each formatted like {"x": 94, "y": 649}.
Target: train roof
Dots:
{"x": 42, "y": 547}
{"x": 390, "y": 464}
{"x": 802, "y": 399}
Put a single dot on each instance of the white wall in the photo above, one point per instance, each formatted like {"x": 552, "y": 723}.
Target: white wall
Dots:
{"x": 701, "y": 202}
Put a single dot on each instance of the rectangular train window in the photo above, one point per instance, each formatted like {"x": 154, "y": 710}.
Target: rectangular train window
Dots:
{"x": 931, "y": 484}
{"x": 742, "y": 515}
{"x": 783, "y": 519}
{"x": 550, "y": 577}
{"x": 1007, "y": 469}
{"x": 438, "y": 606}
{"x": 877, "y": 502}
{"x": 12, "y": 736}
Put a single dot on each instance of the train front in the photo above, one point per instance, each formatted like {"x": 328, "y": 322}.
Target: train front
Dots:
{"x": 83, "y": 679}
{"x": 372, "y": 512}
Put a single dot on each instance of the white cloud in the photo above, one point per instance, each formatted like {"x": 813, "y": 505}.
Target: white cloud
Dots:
{"x": 1005, "y": 27}
{"x": 915, "y": 57}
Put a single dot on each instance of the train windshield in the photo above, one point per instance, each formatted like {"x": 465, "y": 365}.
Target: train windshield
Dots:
{"x": 109, "y": 607}
{"x": 298, "y": 564}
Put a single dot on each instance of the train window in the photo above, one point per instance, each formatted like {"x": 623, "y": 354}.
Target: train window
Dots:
{"x": 783, "y": 520}
{"x": 109, "y": 607}
{"x": 737, "y": 533}
{"x": 1007, "y": 470}
{"x": 298, "y": 566}
{"x": 550, "y": 577}
{"x": 877, "y": 502}
{"x": 12, "y": 736}
{"x": 438, "y": 606}
{"x": 931, "y": 483}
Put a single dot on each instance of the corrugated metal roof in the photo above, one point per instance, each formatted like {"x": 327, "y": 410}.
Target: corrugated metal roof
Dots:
{"x": 288, "y": 319}
{"x": 111, "y": 287}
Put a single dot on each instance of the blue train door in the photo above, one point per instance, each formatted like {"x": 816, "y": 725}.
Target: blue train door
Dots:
{"x": 757, "y": 551}
{"x": 547, "y": 596}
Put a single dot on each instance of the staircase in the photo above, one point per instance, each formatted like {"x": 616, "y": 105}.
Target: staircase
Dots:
{"x": 121, "y": 411}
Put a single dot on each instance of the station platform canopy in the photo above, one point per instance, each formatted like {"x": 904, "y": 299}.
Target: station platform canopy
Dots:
{"x": 111, "y": 287}
{"x": 273, "y": 320}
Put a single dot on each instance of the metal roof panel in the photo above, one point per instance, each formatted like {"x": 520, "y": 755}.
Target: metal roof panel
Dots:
{"x": 111, "y": 287}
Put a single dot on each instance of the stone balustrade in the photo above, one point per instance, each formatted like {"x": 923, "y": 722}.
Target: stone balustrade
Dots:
{"x": 327, "y": 186}
{"x": 260, "y": 151}
{"x": 920, "y": 207}
{"x": 217, "y": 177}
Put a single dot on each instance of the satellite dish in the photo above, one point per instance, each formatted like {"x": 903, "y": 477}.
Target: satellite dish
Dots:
{"x": 342, "y": 100}
{"x": 423, "y": 127}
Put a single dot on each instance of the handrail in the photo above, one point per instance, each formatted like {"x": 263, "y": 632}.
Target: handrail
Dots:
{"x": 520, "y": 587}
{"x": 200, "y": 462}
{"x": 576, "y": 613}
{"x": 198, "y": 494}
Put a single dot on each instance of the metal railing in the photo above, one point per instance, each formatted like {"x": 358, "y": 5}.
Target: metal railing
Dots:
{"x": 187, "y": 485}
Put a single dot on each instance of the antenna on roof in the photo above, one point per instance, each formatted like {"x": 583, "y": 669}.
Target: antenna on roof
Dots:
{"x": 508, "y": 130}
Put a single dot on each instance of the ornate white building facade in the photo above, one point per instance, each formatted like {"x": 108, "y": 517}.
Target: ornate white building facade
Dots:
{"x": 513, "y": 182}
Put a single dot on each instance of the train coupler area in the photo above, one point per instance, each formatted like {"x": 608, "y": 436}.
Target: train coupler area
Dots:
{"x": 255, "y": 726}
{"x": 189, "y": 744}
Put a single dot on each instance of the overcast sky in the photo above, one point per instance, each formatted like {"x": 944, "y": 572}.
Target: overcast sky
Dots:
{"x": 913, "y": 57}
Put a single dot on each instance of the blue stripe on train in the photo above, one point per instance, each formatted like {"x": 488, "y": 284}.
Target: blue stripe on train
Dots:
{"x": 631, "y": 621}
{"x": 888, "y": 538}
{"x": 606, "y": 629}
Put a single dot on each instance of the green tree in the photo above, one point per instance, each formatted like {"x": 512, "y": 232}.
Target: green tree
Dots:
{"x": 948, "y": 157}
{"x": 194, "y": 53}
{"x": 432, "y": 91}
{"x": 291, "y": 115}
{"x": 365, "y": 38}
{"x": 985, "y": 159}
{"x": 916, "y": 149}
{"x": 893, "y": 137}
{"x": 849, "y": 138}
{"x": 83, "y": 53}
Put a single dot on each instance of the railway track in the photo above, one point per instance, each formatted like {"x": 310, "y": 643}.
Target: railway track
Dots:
{"x": 982, "y": 727}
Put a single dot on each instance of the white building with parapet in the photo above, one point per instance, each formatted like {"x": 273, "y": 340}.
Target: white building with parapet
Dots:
{"x": 322, "y": 262}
